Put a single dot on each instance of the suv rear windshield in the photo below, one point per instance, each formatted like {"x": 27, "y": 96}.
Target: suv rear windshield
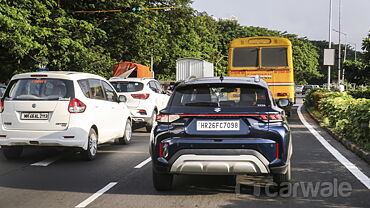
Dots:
{"x": 235, "y": 96}
{"x": 128, "y": 86}
{"x": 41, "y": 89}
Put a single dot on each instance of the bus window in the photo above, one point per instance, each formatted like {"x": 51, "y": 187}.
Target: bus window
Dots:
{"x": 274, "y": 57}
{"x": 245, "y": 57}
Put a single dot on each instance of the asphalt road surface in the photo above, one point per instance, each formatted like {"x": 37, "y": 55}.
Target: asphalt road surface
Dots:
{"x": 120, "y": 176}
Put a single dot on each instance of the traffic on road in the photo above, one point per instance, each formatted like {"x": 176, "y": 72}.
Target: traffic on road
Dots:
{"x": 219, "y": 142}
{"x": 156, "y": 104}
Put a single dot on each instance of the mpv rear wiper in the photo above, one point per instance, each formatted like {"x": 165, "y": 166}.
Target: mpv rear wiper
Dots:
{"x": 211, "y": 104}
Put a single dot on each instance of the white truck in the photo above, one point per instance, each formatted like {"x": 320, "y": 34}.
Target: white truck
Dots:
{"x": 187, "y": 67}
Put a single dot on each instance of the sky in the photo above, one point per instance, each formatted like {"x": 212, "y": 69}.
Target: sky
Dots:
{"x": 306, "y": 18}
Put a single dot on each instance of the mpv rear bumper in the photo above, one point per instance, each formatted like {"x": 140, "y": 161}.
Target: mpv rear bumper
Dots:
{"x": 72, "y": 137}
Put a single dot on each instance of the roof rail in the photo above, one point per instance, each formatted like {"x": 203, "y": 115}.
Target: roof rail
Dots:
{"x": 190, "y": 78}
{"x": 256, "y": 78}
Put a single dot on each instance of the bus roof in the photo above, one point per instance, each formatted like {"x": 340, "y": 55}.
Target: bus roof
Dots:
{"x": 259, "y": 42}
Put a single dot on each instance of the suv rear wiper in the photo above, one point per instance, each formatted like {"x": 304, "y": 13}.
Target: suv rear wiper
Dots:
{"x": 211, "y": 104}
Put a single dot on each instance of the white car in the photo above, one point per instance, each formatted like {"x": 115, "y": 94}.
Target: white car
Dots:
{"x": 145, "y": 98}
{"x": 68, "y": 109}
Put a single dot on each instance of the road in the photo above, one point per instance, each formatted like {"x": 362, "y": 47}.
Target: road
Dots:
{"x": 112, "y": 180}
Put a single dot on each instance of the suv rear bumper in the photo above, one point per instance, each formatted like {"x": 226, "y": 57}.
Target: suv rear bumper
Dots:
{"x": 218, "y": 162}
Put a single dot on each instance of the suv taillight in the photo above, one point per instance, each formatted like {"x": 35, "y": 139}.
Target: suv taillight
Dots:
{"x": 167, "y": 118}
{"x": 140, "y": 96}
{"x": 271, "y": 117}
{"x": 76, "y": 106}
{"x": 1, "y": 106}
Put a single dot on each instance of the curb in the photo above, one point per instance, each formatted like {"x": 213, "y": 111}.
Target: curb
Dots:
{"x": 363, "y": 154}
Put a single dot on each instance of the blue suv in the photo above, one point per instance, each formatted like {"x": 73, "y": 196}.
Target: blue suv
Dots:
{"x": 221, "y": 126}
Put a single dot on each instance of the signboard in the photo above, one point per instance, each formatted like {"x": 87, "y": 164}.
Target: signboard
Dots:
{"x": 329, "y": 56}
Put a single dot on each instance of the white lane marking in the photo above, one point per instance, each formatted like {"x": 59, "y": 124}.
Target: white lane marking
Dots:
{"x": 47, "y": 162}
{"x": 96, "y": 195}
{"x": 143, "y": 163}
{"x": 349, "y": 165}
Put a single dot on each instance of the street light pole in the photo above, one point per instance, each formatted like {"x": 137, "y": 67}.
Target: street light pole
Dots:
{"x": 222, "y": 57}
{"x": 355, "y": 49}
{"x": 330, "y": 28}
{"x": 340, "y": 45}
{"x": 345, "y": 43}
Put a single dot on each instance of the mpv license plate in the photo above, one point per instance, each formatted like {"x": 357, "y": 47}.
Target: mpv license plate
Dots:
{"x": 34, "y": 116}
{"x": 218, "y": 125}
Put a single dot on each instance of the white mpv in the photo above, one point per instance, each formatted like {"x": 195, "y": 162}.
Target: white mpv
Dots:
{"x": 145, "y": 98}
{"x": 68, "y": 109}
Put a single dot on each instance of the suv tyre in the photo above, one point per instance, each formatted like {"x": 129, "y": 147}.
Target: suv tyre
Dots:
{"x": 162, "y": 182}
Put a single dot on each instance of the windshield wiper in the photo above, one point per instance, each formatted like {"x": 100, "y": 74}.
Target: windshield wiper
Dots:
{"x": 211, "y": 104}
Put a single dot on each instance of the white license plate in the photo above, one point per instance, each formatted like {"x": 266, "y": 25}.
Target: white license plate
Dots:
{"x": 35, "y": 116}
{"x": 218, "y": 125}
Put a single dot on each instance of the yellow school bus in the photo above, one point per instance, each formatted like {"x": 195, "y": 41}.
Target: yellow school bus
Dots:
{"x": 270, "y": 58}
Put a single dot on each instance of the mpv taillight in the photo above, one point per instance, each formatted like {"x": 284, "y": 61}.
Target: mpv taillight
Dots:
{"x": 1, "y": 106}
{"x": 167, "y": 118}
{"x": 140, "y": 96}
{"x": 76, "y": 106}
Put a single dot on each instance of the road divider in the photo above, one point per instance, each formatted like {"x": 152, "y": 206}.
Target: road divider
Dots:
{"x": 96, "y": 195}
{"x": 349, "y": 165}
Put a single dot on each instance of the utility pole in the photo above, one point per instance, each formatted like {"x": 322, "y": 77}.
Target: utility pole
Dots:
{"x": 330, "y": 28}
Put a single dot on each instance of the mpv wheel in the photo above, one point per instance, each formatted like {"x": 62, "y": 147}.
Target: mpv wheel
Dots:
{"x": 12, "y": 152}
{"x": 162, "y": 182}
{"x": 126, "y": 139}
{"x": 150, "y": 125}
{"x": 92, "y": 146}
{"x": 281, "y": 178}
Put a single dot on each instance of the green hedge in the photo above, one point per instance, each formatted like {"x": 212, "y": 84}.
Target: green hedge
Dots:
{"x": 360, "y": 93}
{"x": 348, "y": 116}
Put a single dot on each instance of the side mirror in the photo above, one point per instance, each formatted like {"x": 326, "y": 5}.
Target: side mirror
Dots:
{"x": 283, "y": 102}
{"x": 122, "y": 99}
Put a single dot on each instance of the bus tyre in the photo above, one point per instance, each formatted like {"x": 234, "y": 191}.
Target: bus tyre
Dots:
{"x": 12, "y": 152}
{"x": 162, "y": 182}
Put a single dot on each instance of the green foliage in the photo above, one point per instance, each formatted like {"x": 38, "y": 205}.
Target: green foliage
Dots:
{"x": 34, "y": 32}
{"x": 360, "y": 93}
{"x": 348, "y": 116}
{"x": 37, "y": 32}
{"x": 358, "y": 71}
{"x": 314, "y": 95}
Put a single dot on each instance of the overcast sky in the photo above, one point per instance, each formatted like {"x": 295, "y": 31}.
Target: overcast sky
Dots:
{"x": 306, "y": 18}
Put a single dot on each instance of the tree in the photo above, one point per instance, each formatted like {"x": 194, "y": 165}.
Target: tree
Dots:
{"x": 359, "y": 71}
{"x": 34, "y": 32}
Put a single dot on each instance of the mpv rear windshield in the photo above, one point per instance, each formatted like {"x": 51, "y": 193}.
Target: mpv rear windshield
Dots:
{"x": 41, "y": 89}
{"x": 128, "y": 86}
{"x": 224, "y": 95}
